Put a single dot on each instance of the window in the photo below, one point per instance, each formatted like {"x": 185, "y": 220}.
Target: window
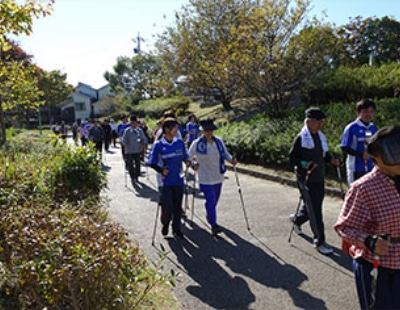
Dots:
{"x": 80, "y": 106}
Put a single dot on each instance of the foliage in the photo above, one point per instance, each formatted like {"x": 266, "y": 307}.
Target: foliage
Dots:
{"x": 139, "y": 75}
{"x": 78, "y": 174}
{"x": 350, "y": 84}
{"x": 370, "y": 39}
{"x": 54, "y": 86}
{"x": 62, "y": 255}
{"x": 246, "y": 48}
{"x": 155, "y": 108}
{"x": 18, "y": 81}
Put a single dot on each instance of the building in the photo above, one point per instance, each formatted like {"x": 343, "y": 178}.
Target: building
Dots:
{"x": 83, "y": 103}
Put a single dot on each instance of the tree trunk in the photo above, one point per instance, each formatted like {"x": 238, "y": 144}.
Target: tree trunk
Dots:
{"x": 226, "y": 103}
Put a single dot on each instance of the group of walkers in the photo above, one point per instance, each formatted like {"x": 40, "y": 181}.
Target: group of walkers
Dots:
{"x": 369, "y": 221}
{"x": 204, "y": 153}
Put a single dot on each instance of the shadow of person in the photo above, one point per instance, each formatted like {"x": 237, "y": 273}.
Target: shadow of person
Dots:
{"x": 215, "y": 286}
{"x": 226, "y": 288}
{"x": 141, "y": 189}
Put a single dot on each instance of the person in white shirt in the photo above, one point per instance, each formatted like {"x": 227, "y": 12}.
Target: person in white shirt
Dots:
{"x": 211, "y": 153}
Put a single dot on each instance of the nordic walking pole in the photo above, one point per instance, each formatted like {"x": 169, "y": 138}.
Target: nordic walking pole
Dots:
{"x": 339, "y": 175}
{"x": 155, "y": 224}
{"x": 194, "y": 191}
{"x": 241, "y": 197}
{"x": 295, "y": 216}
{"x": 302, "y": 187}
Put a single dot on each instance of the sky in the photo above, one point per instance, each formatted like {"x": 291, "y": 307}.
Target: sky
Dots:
{"x": 84, "y": 38}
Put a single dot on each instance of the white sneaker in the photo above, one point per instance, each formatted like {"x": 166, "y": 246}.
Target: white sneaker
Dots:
{"x": 324, "y": 249}
{"x": 296, "y": 228}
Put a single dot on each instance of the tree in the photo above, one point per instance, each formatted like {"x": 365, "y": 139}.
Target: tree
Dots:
{"x": 246, "y": 48}
{"x": 138, "y": 75}
{"x": 17, "y": 79}
{"x": 54, "y": 87}
{"x": 370, "y": 38}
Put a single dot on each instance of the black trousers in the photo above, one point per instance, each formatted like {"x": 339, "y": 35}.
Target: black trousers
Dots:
{"x": 316, "y": 192}
{"x": 171, "y": 206}
{"x": 132, "y": 162}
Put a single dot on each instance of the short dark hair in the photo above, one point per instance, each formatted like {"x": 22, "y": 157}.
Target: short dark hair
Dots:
{"x": 374, "y": 145}
{"x": 365, "y": 104}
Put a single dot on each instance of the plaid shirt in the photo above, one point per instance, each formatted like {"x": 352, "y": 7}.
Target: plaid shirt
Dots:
{"x": 371, "y": 207}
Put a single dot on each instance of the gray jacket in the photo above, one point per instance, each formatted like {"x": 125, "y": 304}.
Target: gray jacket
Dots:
{"x": 133, "y": 139}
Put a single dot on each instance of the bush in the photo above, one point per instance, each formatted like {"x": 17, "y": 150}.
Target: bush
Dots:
{"x": 155, "y": 108}
{"x": 64, "y": 254}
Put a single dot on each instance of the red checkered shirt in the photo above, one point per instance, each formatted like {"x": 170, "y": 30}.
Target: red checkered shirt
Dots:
{"x": 371, "y": 207}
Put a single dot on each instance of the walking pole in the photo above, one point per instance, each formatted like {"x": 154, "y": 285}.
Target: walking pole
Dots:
{"x": 186, "y": 190}
{"x": 155, "y": 224}
{"x": 241, "y": 198}
{"x": 374, "y": 279}
{"x": 302, "y": 187}
{"x": 295, "y": 217}
{"x": 339, "y": 175}
{"x": 194, "y": 190}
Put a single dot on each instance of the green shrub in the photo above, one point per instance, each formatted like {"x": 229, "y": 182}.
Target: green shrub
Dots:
{"x": 78, "y": 174}
{"x": 64, "y": 255}
{"x": 155, "y": 108}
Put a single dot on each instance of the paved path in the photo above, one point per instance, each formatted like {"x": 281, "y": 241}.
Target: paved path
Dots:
{"x": 256, "y": 269}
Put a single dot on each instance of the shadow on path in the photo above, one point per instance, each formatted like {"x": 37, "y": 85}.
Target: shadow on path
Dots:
{"x": 199, "y": 253}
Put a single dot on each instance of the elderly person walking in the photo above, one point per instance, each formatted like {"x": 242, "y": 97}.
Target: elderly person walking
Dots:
{"x": 309, "y": 152}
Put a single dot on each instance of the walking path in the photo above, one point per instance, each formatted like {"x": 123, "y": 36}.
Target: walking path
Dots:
{"x": 256, "y": 269}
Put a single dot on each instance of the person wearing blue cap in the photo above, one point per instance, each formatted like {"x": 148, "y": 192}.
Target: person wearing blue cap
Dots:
{"x": 309, "y": 152}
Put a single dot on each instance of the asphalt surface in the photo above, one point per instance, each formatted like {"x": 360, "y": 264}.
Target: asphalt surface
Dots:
{"x": 255, "y": 268}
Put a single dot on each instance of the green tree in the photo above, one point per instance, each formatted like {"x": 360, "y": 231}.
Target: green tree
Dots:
{"x": 18, "y": 81}
{"x": 54, "y": 87}
{"x": 370, "y": 39}
{"x": 138, "y": 75}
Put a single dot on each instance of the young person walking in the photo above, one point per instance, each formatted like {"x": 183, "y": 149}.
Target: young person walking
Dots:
{"x": 192, "y": 130}
{"x": 309, "y": 152}
{"x": 210, "y": 153}
{"x": 166, "y": 157}
{"x": 355, "y": 134}
{"x": 370, "y": 222}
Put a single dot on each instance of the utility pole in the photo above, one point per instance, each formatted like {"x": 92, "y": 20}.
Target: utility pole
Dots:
{"x": 137, "y": 40}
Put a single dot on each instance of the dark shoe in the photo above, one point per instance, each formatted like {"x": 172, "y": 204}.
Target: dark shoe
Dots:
{"x": 164, "y": 230}
{"x": 216, "y": 230}
{"x": 178, "y": 234}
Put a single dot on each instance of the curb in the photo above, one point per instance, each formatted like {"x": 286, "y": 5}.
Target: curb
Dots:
{"x": 280, "y": 179}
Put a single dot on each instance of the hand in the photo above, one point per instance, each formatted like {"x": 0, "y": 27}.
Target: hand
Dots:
{"x": 165, "y": 171}
{"x": 234, "y": 161}
{"x": 365, "y": 155}
{"x": 196, "y": 167}
{"x": 335, "y": 162}
{"x": 310, "y": 166}
{"x": 381, "y": 246}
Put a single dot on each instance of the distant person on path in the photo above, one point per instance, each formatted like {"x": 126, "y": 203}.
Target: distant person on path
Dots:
{"x": 120, "y": 131}
{"x": 133, "y": 141}
{"x": 210, "y": 153}
{"x": 96, "y": 135}
{"x": 114, "y": 135}
{"x": 107, "y": 134}
{"x": 166, "y": 157}
{"x": 309, "y": 152}
{"x": 353, "y": 141}
{"x": 369, "y": 221}
{"x": 82, "y": 134}
{"x": 192, "y": 130}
